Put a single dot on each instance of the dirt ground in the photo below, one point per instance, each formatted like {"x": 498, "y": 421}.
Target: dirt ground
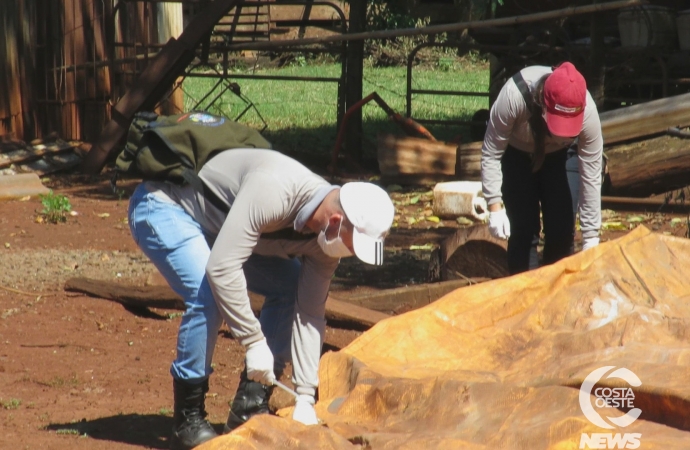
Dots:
{"x": 85, "y": 373}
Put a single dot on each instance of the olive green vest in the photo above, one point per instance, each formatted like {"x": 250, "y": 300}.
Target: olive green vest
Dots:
{"x": 174, "y": 148}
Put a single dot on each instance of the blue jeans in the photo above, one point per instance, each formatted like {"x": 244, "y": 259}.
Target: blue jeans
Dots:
{"x": 179, "y": 248}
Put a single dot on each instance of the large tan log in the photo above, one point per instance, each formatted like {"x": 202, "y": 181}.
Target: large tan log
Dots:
{"x": 165, "y": 298}
{"x": 649, "y": 167}
{"x": 399, "y": 155}
{"x": 420, "y": 160}
{"x": 469, "y": 162}
{"x": 645, "y": 119}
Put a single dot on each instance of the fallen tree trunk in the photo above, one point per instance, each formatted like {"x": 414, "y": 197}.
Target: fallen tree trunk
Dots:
{"x": 645, "y": 119}
{"x": 648, "y": 167}
{"x": 165, "y": 298}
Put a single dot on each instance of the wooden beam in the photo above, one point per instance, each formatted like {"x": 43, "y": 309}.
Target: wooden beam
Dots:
{"x": 645, "y": 119}
{"x": 353, "y": 80}
{"x": 165, "y": 298}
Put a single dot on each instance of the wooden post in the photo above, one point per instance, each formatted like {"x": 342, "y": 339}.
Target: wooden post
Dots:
{"x": 597, "y": 65}
{"x": 170, "y": 25}
{"x": 353, "y": 83}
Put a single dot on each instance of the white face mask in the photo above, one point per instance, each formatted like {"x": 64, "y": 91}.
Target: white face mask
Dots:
{"x": 335, "y": 248}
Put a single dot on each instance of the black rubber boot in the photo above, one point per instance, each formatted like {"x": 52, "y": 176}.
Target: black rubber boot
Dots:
{"x": 190, "y": 425}
{"x": 251, "y": 398}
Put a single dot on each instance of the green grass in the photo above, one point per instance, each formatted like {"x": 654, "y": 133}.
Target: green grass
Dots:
{"x": 301, "y": 115}
{"x": 12, "y": 403}
{"x": 55, "y": 207}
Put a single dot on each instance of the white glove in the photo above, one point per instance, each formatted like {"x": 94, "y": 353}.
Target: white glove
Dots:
{"x": 304, "y": 410}
{"x": 259, "y": 362}
{"x": 590, "y": 242}
{"x": 499, "y": 225}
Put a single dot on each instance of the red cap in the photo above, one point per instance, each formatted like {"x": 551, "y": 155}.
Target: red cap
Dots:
{"x": 565, "y": 93}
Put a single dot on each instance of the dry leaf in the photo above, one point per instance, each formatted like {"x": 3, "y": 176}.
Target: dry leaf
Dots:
{"x": 620, "y": 226}
{"x": 462, "y": 220}
{"x": 422, "y": 247}
{"x": 433, "y": 219}
{"x": 103, "y": 215}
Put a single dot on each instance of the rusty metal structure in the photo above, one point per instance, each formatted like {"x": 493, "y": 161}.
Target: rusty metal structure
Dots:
{"x": 81, "y": 69}
{"x": 68, "y": 63}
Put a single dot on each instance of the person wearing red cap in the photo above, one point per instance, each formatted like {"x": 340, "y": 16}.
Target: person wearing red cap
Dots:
{"x": 542, "y": 161}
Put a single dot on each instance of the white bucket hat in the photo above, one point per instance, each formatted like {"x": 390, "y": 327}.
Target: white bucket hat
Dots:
{"x": 371, "y": 211}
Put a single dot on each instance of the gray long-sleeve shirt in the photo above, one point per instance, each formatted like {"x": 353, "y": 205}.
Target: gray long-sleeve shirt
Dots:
{"x": 267, "y": 192}
{"x": 509, "y": 124}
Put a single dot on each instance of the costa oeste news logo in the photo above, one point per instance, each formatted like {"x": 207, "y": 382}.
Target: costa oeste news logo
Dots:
{"x": 612, "y": 399}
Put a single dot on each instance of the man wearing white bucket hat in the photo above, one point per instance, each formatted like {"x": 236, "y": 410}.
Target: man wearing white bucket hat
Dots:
{"x": 264, "y": 223}
{"x": 542, "y": 158}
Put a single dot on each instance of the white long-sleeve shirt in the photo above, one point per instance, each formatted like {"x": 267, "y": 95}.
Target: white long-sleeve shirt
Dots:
{"x": 509, "y": 125}
{"x": 267, "y": 192}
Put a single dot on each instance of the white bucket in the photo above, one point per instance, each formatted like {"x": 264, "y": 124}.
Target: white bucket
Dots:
{"x": 460, "y": 198}
{"x": 683, "y": 25}
{"x": 647, "y": 25}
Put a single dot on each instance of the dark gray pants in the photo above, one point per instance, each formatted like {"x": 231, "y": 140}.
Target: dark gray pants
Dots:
{"x": 552, "y": 191}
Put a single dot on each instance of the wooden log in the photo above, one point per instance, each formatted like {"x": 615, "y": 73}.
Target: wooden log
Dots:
{"x": 648, "y": 167}
{"x": 420, "y": 161}
{"x": 469, "y": 162}
{"x": 399, "y": 155}
{"x": 165, "y": 298}
{"x": 440, "y": 256}
{"x": 645, "y": 119}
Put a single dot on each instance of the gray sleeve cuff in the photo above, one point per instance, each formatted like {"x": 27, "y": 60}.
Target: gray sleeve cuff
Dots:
{"x": 248, "y": 340}
{"x": 590, "y": 234}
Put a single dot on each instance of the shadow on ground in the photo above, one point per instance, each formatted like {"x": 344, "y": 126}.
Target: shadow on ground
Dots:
{"x": 149, "y": 431}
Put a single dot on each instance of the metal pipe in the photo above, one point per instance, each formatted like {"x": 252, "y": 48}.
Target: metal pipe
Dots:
{"x": 263, "y": 77}
{"x": 446, "y": 28}
{"x": 434, "y": 92}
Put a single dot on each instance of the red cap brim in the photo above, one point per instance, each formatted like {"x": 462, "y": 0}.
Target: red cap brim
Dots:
{"x": 564, "y": 126}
